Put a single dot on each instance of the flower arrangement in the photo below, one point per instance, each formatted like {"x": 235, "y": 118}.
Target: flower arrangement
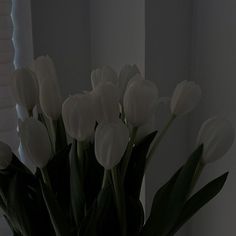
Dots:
{"x": 89, "y": 159}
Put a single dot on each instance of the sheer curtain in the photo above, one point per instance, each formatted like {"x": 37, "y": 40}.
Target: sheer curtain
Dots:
{"x": 8, "y": 118}
{"x": 22, "y": 38}
{"x": 15, "y": 51}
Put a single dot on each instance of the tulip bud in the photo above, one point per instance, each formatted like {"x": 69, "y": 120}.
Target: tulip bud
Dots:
{"x": 102, "y": 75}
{"x": 217, "y": 135}
{"x": 106, "y": 101}
{"x": 5, "y": 156}
{"x": 111, "y": 140}
{"x": 49, "y": 91}
{"x": 25, "y": 88}
{"x": 35, "y": 141}
{"x": 126, "y": 73}
{"x": 185, "y": 97}
{"x": 151, "y": 124}
{"x": 44, "y": 68}
{"x": 78, "y": 116}
{"x": 139, "y": 100}
{"x": 50, "y": 99}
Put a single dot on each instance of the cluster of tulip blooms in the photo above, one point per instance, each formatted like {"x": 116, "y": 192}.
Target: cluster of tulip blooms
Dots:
{"x": 88, "y": 158}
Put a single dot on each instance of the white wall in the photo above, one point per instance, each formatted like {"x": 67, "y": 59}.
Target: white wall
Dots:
{"x": 214, "y": 66}
{"x": 117, "y": 32}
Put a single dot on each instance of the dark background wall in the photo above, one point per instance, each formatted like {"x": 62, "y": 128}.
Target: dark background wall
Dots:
{"x": 61, "y": 29}
{"x": 214, "y": 60}
{"x": 117, "y": 33}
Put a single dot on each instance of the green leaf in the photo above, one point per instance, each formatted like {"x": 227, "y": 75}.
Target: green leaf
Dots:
{"x": 202, "y": 197}
{"x": 21, "y": 195}
{"x": 182, "y": 188}
{"x": 61, "y": 139}
{"x": 59, "y": 173}
{"x": 155, "y": 223}
{"x": 47, "y": 122}
{"x": 135, "y": 215}
{"x": 107, "y": 221}
{"x": 136, "y": 167}
{"x": 43, "y": 119}
{"x": 58, "y": 220}
{"x": 18, "y": 166}
{"x": 76, "y": 186}
{"x": 89, "y": 223}
{"x": 16, "y": 207}
{"x": 93, "y": 175}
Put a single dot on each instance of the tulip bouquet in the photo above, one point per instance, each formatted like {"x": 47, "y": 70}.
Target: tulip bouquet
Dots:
{"x": 86, "y": 157}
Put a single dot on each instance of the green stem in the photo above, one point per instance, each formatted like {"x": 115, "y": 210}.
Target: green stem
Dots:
{"x": 105, "y": 178}
{"x": 41, "y": 118}
{"x": 81, "y": 146}
{"x": 46, "y": 178}
{"x": 80, "y": 150}
{"x": 60, "y": 134}
{"x": 122, "y": 113}
{"x": 128, "y": 152}
{"x": 52, "y": 134}
{"x": 81, "y": 158}
{"x": 30, "y": 112}
{"x": 158, "y": 139}
{"x": 198, "y": 171}
{"x": 120, "y": 201}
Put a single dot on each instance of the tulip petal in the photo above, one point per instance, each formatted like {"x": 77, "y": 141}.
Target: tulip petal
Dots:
{"x": 103, "y": 75}
{"x": 44, "y": 68}
{"x": 139, "y": 100}
{"x": 25, "y": 88}
{"x": 78, "y": 116}
{"x": 111, "y": 140}
{"x": 35, "y": 141}
{"x": 50, "y": 99}
{"x": 49, "y": 91}
{"x": 106, "y": 101}
{"x": 217, "y": 134}
{"x": 185, "y": 97}
{"x": 127, "y": 72}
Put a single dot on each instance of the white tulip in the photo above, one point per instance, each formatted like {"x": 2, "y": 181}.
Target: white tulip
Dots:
{"x": 185, "y": 97}
{"x": 35, "y": 141}
{"x": 106, "y": 101}
{"x": 50, "y": 99}
{"x": 151, "y": 124}
{"x": 139, "y": 100}
{"x": 49, "y": 91}
{"x": 111, "y": 140}
{"x": 5, "y": 156}
{"x": 25, "y": 88}
{"x": 127, "y": 72}
{"x": 78, "y": 116}
{"x": 44, "y": 68}
{"x": 217, "y": 135}
{"x": 102, "y": 75}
